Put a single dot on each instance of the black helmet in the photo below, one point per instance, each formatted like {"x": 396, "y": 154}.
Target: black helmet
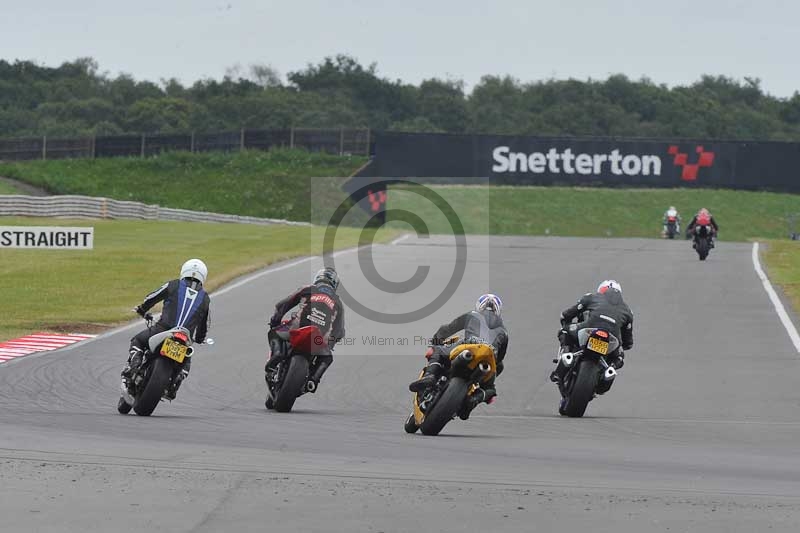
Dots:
{"x": 328, "y": 276}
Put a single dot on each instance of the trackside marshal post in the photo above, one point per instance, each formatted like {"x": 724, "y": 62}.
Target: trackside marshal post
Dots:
{"x": 47, "y": 238}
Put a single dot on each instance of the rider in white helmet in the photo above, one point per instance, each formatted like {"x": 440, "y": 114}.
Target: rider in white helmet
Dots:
{"x": 485, "y": 325}
{"x": 186, "y": 304}
{"x": 672, "y": 215}
{"x": 604, "y": 308}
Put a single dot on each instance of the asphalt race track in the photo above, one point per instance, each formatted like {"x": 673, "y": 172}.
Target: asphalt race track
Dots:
{"x": 700, "y": 432}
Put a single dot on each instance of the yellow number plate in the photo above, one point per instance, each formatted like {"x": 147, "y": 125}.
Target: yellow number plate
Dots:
{"x": 174, "y": 350}
{"x": 596, "y": 345}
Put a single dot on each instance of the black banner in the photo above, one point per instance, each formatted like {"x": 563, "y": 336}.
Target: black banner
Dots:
{"x": 515, "y": 160}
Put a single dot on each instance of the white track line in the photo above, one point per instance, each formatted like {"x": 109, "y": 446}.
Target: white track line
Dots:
{"x": 400, "y": 239}
{"x": 776, "y": 301}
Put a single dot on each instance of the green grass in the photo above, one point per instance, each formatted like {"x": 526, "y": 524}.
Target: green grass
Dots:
{"x": 272, "y": 184}
{"x": 72, "y": 290}
{"x": 5, "y": 188}
{"x": 590, "y": 212}
{"x": 783, "y": 267}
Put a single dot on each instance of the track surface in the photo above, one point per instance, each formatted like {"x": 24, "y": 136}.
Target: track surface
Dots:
{"x": 700, "y": 433}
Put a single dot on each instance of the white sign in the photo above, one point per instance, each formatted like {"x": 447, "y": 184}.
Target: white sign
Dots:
{"x": 567, "y": 162}
{"x": 46, "y": 237}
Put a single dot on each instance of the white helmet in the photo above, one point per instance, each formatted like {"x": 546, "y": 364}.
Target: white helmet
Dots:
{"x": 489, "y": 301}
{"x": 194, "y": 268}
{"x": 609, "y": 284}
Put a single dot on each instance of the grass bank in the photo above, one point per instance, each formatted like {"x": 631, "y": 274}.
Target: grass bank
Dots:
{"x": 589, "y": 212}
{"x": 783, "y": 267}
{"x": 90, "y": 290}
{"x": 272, "y": 184}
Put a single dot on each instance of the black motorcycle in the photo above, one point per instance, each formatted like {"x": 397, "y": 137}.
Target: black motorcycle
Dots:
{"x": 288, "y": 369}
{"x": 159, "y": 373}
{"x": 672, "y": 227}
{"x": 703, "y": 239}
{"x": 587, "y": 372}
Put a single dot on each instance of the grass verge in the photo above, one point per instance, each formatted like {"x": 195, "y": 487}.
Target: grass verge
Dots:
{"x": 590, "y": 212}
{"x": 272, "y": 184}
{"x": 782, "y": 259}
{"x": 87, "y": 291}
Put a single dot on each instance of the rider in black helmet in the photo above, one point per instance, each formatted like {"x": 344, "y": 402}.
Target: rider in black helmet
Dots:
{"x": 320, "y": 306}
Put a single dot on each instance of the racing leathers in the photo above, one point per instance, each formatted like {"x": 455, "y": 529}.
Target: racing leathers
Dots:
{"x": 484, "y": 327}
{"x": 699, "y": 220}
{"x": 671, "y": 215}
{"x": 320, "y": 306}
{"x": 596, "y": 310}
{"x": 186, "y": 304}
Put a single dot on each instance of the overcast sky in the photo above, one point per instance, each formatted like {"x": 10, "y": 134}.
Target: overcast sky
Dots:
{"x": 672, "y": 42}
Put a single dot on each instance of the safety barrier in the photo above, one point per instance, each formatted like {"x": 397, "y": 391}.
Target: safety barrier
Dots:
{"x": 70, "y": 206}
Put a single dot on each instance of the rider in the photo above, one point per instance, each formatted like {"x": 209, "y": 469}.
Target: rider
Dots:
{"x": 484, "y": 325}
{"x": 602, "y": 309}
{"x": 672, "y": 213}
{"x": 319, "y": 306}
{"x": 703, "y": 218}
{"x": 186, "y": 304}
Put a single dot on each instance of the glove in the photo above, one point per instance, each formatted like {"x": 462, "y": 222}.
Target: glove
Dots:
{"x": 138, "y": 310}
{"x": 275, "y": 321}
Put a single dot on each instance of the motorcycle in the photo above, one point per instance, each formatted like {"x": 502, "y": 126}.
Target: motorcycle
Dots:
{"x": 587, "y": 372}
{"x": 159, "y": 372}
{"x": 287, "y": 376}
{"x": 672, "y": 226}
{"x": 702, "y": 241}
{"x": 471, "y": 363}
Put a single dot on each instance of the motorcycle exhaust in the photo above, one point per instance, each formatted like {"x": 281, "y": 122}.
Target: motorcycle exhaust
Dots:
{"x": 610, "y": 373}
{"x": 484, "y": 367}
{"x": 567, "y": 358}
{"x": 466, "y": 355}
{"x": 189, "y": 351}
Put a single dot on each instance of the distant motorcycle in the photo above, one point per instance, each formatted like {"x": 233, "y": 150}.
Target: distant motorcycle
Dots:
{"x": 470, "y": 364}
{"x": 702, "y": 242}
{"x": 288, "y": 376}
{"x": 672, "y": 226}
{"x": 159, "y": 371}
{"x": 587, "y": 372}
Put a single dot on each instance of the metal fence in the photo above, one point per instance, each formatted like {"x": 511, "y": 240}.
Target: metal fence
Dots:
{"x": 339, "y": 141}
{"x": 71, "y": 206}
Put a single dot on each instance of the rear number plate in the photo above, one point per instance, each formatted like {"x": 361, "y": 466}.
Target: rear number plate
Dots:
{"x": 173, "y": 350}
{"x": 596, "y": 345}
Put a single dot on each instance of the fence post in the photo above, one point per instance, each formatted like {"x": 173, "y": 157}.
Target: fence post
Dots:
{"x": 241, "y": 140}
{"x": 44, "y": 147}
{"x": 191, "y": 143}
{"x": 291, "y": 137}
{"x": 367, "y": 151}
{"x": 341, "y": 141}
{"x": 94, "y": 146}
{"x": 143, "y": 141}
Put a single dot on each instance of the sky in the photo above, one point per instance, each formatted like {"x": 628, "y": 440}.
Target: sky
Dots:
{"x": 672, "y": 43}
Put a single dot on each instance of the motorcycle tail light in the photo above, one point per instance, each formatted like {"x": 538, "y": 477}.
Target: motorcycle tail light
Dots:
{"x": 181, "y": 336}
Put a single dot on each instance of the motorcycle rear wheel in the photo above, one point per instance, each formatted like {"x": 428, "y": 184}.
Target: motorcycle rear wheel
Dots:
{"x": 446, "y": 408}
{"x": 157, "y": 381}
{"x": 292, "y": 384}
{"x": 583, "y": 390}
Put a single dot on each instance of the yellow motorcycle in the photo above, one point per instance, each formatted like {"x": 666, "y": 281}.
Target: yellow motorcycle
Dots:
{"x": 470, "y": 365}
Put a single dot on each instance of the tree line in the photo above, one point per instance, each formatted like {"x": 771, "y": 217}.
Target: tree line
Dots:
{"x": 76, "y": 99}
